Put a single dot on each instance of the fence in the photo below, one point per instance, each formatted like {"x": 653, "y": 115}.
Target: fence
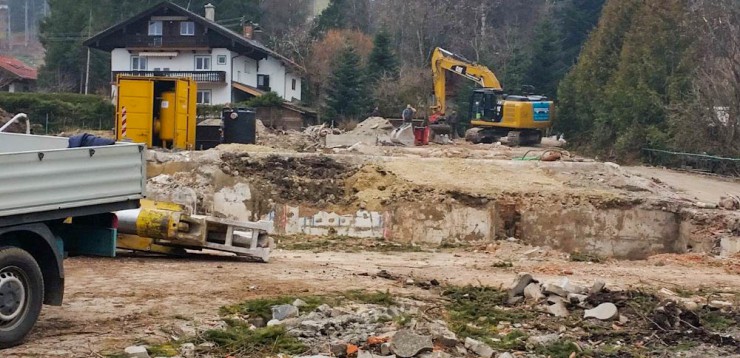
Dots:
{"x": 691, "y": 161}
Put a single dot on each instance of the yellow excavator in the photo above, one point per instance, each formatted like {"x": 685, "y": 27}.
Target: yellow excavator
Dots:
{"x": 520, "y": 118}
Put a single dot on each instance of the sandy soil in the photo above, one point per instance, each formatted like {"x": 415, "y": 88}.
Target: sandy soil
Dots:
{"x": 114, "y": 303}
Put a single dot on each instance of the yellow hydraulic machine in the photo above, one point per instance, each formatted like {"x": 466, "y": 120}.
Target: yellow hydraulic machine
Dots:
{"x": 158, "y": 111}
{"x": 494, "y": 114}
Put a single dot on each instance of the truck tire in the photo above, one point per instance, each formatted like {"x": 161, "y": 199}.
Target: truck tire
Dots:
{"x": 21, "y": 295}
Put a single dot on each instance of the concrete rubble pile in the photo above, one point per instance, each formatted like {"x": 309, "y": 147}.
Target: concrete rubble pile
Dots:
{"x": 371, "y": 131}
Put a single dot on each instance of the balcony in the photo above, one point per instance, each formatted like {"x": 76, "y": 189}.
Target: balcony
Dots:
{"x": 198, "y": 76}
{"x": 166, "y": 42}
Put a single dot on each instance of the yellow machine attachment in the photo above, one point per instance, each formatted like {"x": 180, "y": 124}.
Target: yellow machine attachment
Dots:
{"x": 167, "y": 228}
{"x": 494, "y": 114}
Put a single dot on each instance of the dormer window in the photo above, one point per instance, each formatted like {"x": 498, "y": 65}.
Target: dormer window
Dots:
{"x": 155, "y": 28}
{"x": 187, "y": 28}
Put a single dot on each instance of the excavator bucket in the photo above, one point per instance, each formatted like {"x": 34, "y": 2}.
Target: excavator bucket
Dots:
{"x": 404, "y": 135}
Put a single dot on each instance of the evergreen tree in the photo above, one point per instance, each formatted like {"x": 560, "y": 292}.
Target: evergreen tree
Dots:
{"x": 545, "y": 68}
{"x": 330, "y": 18}
{"x": 346, "y": 95}
{"x": 516, "y": 71}
{"x": 577, "y": 18}
{"x": 382, "y": 61}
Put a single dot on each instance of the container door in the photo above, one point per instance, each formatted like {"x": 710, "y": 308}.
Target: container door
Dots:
{"x": 184, "y": 121}
{"x": 134, "y": 118}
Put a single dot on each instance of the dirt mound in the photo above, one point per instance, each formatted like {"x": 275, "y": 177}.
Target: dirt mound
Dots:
{"x": 313, "y": 179}
{"x": 373, "y": 186}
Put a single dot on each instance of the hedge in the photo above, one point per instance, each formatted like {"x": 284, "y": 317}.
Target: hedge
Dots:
{"x": 56, "y": 112}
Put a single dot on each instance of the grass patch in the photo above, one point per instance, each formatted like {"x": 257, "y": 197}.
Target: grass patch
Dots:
{"x": 239, "y": 340}
{"x": 584, "y": 257}
{"x": 559, "y": 349}
{"x": 476, "y": 312}
{"x": 376, "y": 298}
{"x": 717, "y": 321}
{"x": 162, "y": 350}
{"x": 343, "y": 244}
{"x": 514, "y": 340}
{"x": 503, "y": 264}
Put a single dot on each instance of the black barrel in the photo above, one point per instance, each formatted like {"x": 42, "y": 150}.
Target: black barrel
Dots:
{"x": 240, "y": 125}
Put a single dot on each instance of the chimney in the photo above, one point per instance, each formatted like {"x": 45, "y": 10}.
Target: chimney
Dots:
{"x": 257, "y": 35}
{"x": 210, "y": 12}
{"x": 248, "y": 31}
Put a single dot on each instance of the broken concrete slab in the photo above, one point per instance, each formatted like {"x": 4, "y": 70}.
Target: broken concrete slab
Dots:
{"x": 520, "y": 283}
{"x": 136, "y": 352}
{"x": 348, "y": 140}
{"x": 558, "y": 310}
{"x": 597, "y": 287}
{"x": 479, "y": 348}
{"x": 604, "y": 312}
{"x": 533, "y": 291}
{"x": 552, "y": 299}
{"x": 282, "y": 312}
{"x": 406, "y": 343}
{"x": 556, "y": 290}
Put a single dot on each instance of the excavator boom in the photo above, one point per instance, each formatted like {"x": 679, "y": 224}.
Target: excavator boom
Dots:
{"x": 443, "y": 60}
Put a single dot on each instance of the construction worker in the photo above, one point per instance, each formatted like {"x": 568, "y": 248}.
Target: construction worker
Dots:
{"x": 408, "y": 114}
{"x": 452, "y": 121}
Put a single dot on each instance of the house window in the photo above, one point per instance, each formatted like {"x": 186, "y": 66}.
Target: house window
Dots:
{"x": 293, "y": 84}
{"x": 138, "y": 63}
{"x": 221, "y": 59}
{"x": 187, "y": 28}
{"x": 263, "y": 82}
{"x": 155, "y": 28}
{"x": 202, "y": 63}
{"x": 203, "y": 97}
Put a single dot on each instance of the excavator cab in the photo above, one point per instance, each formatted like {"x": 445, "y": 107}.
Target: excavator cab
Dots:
{"x": 487, "y": 105}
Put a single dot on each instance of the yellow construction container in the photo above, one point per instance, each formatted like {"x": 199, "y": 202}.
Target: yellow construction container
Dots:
{"x": 158, "y": 111}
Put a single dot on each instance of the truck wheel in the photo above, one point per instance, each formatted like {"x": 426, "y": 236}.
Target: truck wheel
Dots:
{"x": 21, "y": 295}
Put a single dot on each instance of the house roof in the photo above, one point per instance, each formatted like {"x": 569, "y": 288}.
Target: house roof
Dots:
{"x": 18, "y": 68}
{"x": 99, "y": 40}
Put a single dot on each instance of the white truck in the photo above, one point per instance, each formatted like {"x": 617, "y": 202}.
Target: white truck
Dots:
{"x": 55, "y": 201}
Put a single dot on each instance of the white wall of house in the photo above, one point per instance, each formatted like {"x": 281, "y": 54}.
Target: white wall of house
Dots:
{"x": 238, "y": 68}
{"x": 274, "y": 68}
{"x": 290, "y": 92}
{"x": 245, "y": 70}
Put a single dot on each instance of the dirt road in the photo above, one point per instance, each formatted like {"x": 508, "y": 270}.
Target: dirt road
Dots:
{"x": 114, "y": 303}
{"x": 704, "y": 188}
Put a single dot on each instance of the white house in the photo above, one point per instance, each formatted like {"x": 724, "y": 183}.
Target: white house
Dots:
{"x": 168, "y": 40}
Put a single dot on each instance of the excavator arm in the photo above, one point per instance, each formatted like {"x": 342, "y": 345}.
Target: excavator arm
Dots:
{"x": 443, "y": 60}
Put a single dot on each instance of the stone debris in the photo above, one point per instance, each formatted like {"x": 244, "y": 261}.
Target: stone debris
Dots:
{"x": 479, "y": 348}
{"x": 597, "y": 287}
{"x": 605, "y": 312}
{"x": 408, "y": 344}
{"x": 299, "y": 303}
{"x": 136, "y": 352}
{"x": 556, "y": 290}
{"x": 558, "y": 309}
{"x": 543, "y": 340}
{"x": 282, "y": 312}
{"x": 520, "y": 283}
{"x": 533, "y": 291}
{"x": 187, "y": 350}
{"x": 505, "y": 355}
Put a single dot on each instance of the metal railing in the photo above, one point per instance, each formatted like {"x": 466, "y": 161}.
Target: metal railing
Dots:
{"x": 692, "y": 161}
{"x": 198, "y": 76}
{"x": 144, "y": 41}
